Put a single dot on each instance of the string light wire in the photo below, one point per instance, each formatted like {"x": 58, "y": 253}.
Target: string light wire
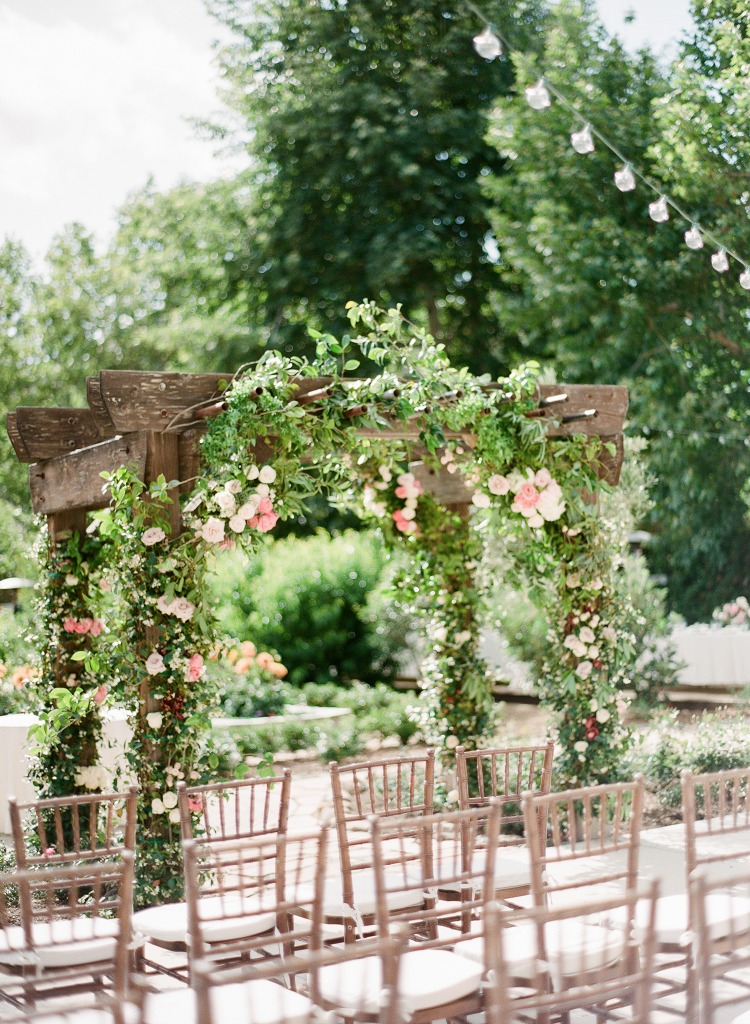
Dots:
{"x": 608, "y": 144}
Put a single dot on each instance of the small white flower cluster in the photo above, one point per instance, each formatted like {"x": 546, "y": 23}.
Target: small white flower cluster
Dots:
{"x": 93, "y": 776}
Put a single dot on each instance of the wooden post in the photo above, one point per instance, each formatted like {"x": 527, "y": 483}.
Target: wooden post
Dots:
{"x": 60, "y": 526}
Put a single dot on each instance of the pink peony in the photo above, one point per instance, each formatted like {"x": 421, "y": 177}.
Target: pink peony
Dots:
{"x": 96, "y": 627}
{"x": 100, "y": 694}
{"x": 498, "y": 484}
{"x": 265, "y": 521}
{"x": 155, "y": 663}
{"x": 70, "y": 625}
{"x": 195, "y": 669}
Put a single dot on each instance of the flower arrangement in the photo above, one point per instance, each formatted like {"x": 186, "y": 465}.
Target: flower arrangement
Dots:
{"x": 254, "y": 689}
{"x": 733, "y": 613}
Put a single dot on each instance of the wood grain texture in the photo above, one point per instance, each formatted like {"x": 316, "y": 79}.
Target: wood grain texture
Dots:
{"x": 74, "y": 481}
{"x": 49, "y": 433}
{"x": 98, "y": 408}
{"x": 151, "y": 401}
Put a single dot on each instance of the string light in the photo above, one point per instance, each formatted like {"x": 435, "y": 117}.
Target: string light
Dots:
{"x": 625, "y": 179}
{"x": 693, "y": 237}
{"x": 539, "y": 97}
{"x": 720, "y": 262}
{"x": 583, "y": 141}
{"x": 659, "y": 210}
{"x": 487, "y": 44}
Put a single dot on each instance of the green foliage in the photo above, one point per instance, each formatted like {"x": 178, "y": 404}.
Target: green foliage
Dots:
{"x": 590, "y": 284}
{"x": 375, "y": 191}
{"x": 253, "y": 697}
{"x": 314, "y": 599}
{"x": 338, "y": 743}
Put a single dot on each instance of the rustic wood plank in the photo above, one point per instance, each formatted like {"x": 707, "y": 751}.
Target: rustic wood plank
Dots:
{"x": 163, "y": 459}
{"x": 610, "y": 402}
{"x": 98, "y": 408}
{"x": 152, "y": 401}
{"x": 49, "y": 433}
{"x": 19, "y": 447}
{"x": 189, "y": 457}
{"x": 74, "y": 481}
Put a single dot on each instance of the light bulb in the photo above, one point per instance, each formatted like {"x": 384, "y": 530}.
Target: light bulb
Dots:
{"x": 745, "y": 279}
{"x": 659, "y": 210}
{"x": 719, "y": 261}
{"x": 583, "y": 141}
{"x": 693, "y": 239}
{"x": 537, "y": 96}
{"x": 487, "y": 44}
{"x": 625, "y": 179}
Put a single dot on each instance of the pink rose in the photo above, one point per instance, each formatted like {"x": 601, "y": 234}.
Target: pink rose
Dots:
{"x": 153, "y": 535}
{"x": 526, "y": 498}
{"x": 183, "y": 609}
{"x": 49, "y": 852}
{"x": 96, "y": 627}
{"x": 498, "y": 484}
{"x": 84, "y": 625}
{"x": 195, "y": 804}
{"x": 265, "y": 506}
{"x": 212, "y": 530}
{"x": 155, "y": 663}
{"x": 70, "y": 625}
{"x": 194, "y": 669}
{"x": 100, "y": 694}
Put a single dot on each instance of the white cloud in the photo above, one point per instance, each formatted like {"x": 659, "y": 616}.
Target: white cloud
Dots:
{"x": 94, "y": 97}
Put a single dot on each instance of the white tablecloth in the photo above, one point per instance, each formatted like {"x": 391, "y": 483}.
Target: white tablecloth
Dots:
{"x": 713, "y": 655}
{"x": 14, "y": 762}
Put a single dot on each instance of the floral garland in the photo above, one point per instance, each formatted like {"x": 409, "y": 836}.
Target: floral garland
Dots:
{"x": 65, "y": 743}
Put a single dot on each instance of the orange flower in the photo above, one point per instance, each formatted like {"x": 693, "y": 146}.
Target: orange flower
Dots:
{"x": 21, "y": 675}
{"x": 248, "y": 649}
{"x": 243, "y": 665}
{"x": 3, "y": 670}
{"x": 265, "y": 660}
{"x": 278, "y": 669}
{"x": 232, "y": 656}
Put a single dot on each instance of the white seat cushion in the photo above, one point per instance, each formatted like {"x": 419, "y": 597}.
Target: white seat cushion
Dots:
{"x": 565, "y": 942}
{"x": 252, "y": 1002}
{"x": 510, "y": 873}
{"x": 365, "y": 899}
{"x": 169, "y": 922}
{"x": 89, "y": 1015}
{"x": 428, "y": 978}
{"x": 61, "y": 943}
{"x": 744, "y": 1018}
{"x": 724, "y": 913}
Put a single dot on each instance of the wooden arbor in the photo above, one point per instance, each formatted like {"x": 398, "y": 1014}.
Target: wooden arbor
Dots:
{"x": 153, "y": 422}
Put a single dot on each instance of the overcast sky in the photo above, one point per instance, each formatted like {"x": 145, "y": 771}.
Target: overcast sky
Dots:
{"x": 95, "y": 96}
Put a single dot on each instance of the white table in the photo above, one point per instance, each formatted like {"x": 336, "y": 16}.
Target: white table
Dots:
{"x": 14, "y": 758}
{"x": 713, "y": 655}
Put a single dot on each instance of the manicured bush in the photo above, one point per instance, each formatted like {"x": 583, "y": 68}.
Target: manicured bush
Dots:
{"x": 317, "y": 601}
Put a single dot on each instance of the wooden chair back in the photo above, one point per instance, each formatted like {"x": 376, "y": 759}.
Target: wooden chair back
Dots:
{"x": 721, "y": 955}
{"x": 716, "y": 815}
{"x": 606, "y": 968}
{"x": 75, "y": 926}
{"x": 249, "y": 895}
{"x": 504, "y": 774}
{"x": 583, "y": 838}
{"x": 388, "y": 950}
{"x": 74, "y": 829}
{"x": 239, "y": 809}
{"x": 417, "y": 859}
{"x": 389, "y": 788}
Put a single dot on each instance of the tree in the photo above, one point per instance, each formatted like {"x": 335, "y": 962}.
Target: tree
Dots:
{"x": 365, "y": 125}
{"x": 592, "y": 284}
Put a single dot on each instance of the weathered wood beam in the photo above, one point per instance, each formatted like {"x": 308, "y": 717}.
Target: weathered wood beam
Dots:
{"x": 151, "y": 401}
{"x": 98, "y": 408}
{"x": 74, "y": 481}
{"x": 19, "y": 447}
{"x": 48, "y": 433}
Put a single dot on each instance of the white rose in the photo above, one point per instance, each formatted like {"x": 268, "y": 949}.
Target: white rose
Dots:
{"x": 462, "y": 637}
{"x": 408, "y": 513}
{"x": 587, "y": 635}
{"x": 226, "y": 502}
{"x": 263, "y": 490}
{"x": 153, "y": 535}
{"x": 593, "y": 651}
{"x": 267, "y": 475}
{"x": 480, "y": 500}
{"x": 249, "y": 509}
{"x": 71, "y": 580}
{"x": 170, "y": 799}
{"x": 602, "y": 715}
{"x": 252, "y": 473}
{"x": 157, "y": 807}
{"x": 580, "y": 747}
{"x": 385, "y": 473}
{"x": 233, "y": 486}
{"x": 174, "y": 815}
{"x": 164, "y": 605}
{"x": 183, "y": 609}
{"x": 155, "y": 663}
{"x": 238, "y": 523}
{"x": 154, "y": 719}
{"x": 583, "y": 670}
{"x": 451, "y": 742}
{"x": 212, "y": 530}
